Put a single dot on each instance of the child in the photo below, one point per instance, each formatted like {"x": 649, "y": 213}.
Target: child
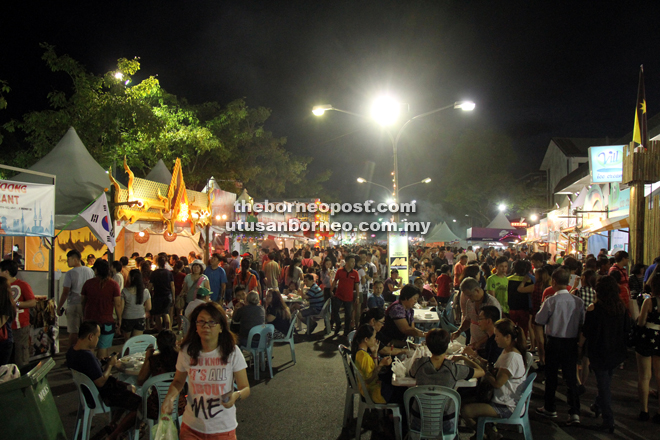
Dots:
{"x": 498, "y": 283}
{"x": 376, "y": 300}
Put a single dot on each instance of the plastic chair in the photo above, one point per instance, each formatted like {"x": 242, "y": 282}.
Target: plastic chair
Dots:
{"x": 351, "y": 385}
{"x": 323, "y": 314}
{"x": 265, "y": 348}
{"x": 529, "y": 361}
{"x": 138, "y": 344}
{"x": 89, "y": 406}
{"x": 367, "y": 403}
{"x": 289, "y": 337}
{"x": 520, "y": 415}
{"x": 185, "y": 325}
{"x": 432, "y": 401}
{"x": 161, "y": 385}
{"x": 351, "y": 335}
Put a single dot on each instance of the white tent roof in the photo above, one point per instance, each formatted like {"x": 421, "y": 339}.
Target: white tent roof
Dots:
{"x": 500, "y": 222}
{"x": 443, "y": 233}
{"x": 160, "y": 173}
{"x": 80, "y": 179}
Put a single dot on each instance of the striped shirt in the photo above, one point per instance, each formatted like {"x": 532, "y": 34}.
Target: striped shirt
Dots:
{"x": 316, "y": 298}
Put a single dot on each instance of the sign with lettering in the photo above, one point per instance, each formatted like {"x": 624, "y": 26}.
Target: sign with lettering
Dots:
{"x": 26, "y": 209}
{"x": 606, "y": 163}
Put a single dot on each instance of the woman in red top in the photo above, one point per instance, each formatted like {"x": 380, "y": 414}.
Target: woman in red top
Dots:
{"x": 444, "y": 283}
{"x": 246, "y": 278}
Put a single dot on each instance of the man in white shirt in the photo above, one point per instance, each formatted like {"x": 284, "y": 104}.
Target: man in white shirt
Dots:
{"x": 563, "y": 316}
{"x": 470, "y": 254}
{"x": 202, "y": 297}
{"x": 73, "y": 283}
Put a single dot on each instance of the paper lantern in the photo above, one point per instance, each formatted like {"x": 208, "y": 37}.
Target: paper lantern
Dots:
{"x": 169, "y": 237}
{"x": 142, "y": 237}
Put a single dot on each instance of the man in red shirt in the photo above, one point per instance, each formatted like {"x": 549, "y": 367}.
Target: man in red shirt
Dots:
{"x": 621, "y": 259}
{"x": 345, "y": 293}
{"x": 24, "y": 298}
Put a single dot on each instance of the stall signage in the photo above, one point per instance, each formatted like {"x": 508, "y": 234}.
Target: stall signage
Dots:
{"x": 606, "y": 163}
{"x": 26, "y": 209}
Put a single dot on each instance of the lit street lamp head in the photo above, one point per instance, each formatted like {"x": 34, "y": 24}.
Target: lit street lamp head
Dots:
{"x": 466, "y": 106}
{"x": 318, "y": 110}
{"x": 385, "y": 110}
{"x": 501, "y": 207}
{"x": 360, "y": 180}
{"x": 427, "y": 180}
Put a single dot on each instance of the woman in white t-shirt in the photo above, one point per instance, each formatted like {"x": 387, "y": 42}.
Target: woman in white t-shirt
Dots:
{"x": 210, "y": 360}
{"x": 507, "y": 377}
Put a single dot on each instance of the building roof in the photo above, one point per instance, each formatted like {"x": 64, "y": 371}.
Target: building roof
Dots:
{"x": 574, "y": 181}
{"x": 579, "y": 147}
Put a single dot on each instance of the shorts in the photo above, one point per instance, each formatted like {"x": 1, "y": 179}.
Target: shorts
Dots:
{"x": 128, "y": 325}
{"x": 188, "y": 433}
{"x": 74, "y": 317}
{"x": 503, "y": 411}
{"x": 520, "y": 318}
{"x": 160, "y": 305}
{"x": 180, "y": 302}
{"x": 107, "y": 335}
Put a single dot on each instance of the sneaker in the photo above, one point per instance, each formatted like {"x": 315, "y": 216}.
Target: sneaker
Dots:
{"x": 544, "y": 412}
{"x": 573, "y": 420}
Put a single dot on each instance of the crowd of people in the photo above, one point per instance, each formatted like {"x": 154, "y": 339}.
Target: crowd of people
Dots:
{"x": 577, "y": 315}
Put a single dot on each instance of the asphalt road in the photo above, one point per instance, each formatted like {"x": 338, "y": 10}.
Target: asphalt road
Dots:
{"x": 306, "y": 401}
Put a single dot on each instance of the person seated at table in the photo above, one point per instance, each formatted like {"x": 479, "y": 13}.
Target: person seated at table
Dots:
{"x": 136, "y": 304}
{"x": 114, "y": 393}
{"x": 277, "y": 313}
{"x": 426, "y": 292}
{"x": 488, "y": 355}
{"x": 376, "y": 318}
{"x": 161, "y": 363}
{"x": 506, "y": 378}
{"x": 202, "y": 297}
{"x": 316, "y": 299}
{"x": 292, "y": 288}
{"x": 399, "y": 319}
{"x": 437, "y": 370}
{"x": 376, "y": 300}
{"x": 392, "y": 286}
{"x": 239, "y": 298}
{"x": 248, "y": 316}
{"x": 364, "y": 352}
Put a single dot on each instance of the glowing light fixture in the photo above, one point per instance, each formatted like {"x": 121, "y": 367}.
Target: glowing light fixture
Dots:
{"x": 427, "y": 180}
{"x": 217, "y": 217}
{"x": 361, "y": 180}
{"x": 318, "y": 110}
{"x": 466, "y": 106}
{"x": 385, "y": 110}
{"x": 533, "y": 217}
{"x": 119, "y": 75}
{"x": 501, "y": 207}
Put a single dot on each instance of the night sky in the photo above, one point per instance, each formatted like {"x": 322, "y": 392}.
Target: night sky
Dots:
{"x": 535, "y": 70}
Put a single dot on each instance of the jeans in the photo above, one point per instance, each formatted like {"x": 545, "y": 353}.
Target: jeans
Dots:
{"x": 348, "y": 312}
{"x": 604, "y": 398}
{"x": 561, "y": 352}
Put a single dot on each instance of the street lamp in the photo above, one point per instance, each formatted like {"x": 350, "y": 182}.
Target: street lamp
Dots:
{"x": 501, "y": 207}
{"x": 385, "y": 112}
{"x": 533, "y": 217}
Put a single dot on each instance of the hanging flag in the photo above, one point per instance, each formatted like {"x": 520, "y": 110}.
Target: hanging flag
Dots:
{"x": 640, "y": 133}
{"x": 97, "y": 216}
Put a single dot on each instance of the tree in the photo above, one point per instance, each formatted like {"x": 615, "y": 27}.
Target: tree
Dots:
{"x": 144, "y": 123}
{"x": 4, "y": 88}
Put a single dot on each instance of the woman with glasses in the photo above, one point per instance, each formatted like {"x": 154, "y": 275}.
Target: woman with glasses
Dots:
{"x": 210, "y": 361}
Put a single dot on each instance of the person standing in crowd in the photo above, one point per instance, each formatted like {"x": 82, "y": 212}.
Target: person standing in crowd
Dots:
{"x": 470, "y": 254}
{"x": 327, "y": 276}
{"x": 606, "y": 328}
{"x": 444, "y": 284}
{"x": 563, "y": 315}
{"x": 24, "y": 301}
{"x": 392, "y": 285}
{"x": 91, "y": 259}
{"x": 209, "y": 348}
{"x": 519, "y": 302}
{"x": 194, "y": 280}
{"x": 179, "y": 295}
{"x": 272, "y": 271}
{"x": 621, "y": 259}
{"x": 217, "y": 278}
{"x": 74, "y": 279}
{"x": 115, "y": 273}
{"x": 647, "y": 346}
{"x": 245, "y": 278}
{"x": 162, "y": 281}
{"x": 345, "y": 293}
{"x": 497, "y": 284}
{"x": 136, "y": 304}
{"x": 99, "y": 296}
{"x": 458, "y": 270}
{"x": 7, "y": 316}
{"x": 293, "y": 273}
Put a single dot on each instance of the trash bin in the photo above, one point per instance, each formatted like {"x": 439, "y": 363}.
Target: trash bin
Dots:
{"x": 28, "y": 407}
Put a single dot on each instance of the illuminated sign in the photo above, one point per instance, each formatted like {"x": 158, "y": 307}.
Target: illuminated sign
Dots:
{"x": 519, "y": 224}
{"x": 606, "y": 164}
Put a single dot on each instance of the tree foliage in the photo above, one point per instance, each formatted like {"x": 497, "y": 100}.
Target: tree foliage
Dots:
{"x": 142, "y": 122}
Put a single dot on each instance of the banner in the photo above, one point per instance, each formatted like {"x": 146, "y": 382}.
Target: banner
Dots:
{"x": 26, "y": 209}
{"x": 397, "y": 249}
{"x": 96, "y": 215}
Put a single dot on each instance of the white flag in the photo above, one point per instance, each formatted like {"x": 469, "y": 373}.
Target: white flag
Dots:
{"x": 99, "y": 221}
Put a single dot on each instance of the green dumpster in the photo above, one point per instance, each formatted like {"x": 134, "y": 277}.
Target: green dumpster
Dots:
{"x": 28, "y": 407}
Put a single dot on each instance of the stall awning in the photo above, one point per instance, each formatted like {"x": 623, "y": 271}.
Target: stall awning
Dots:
{"x": 608, "y": 224}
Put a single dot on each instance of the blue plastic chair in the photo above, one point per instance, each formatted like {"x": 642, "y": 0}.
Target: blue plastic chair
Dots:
{"x": 138, "y": 344}
{"x": 264, "y": 348}
{"x": 289, "y": 337}
{"x": 161, "y": 384}
{"x": 432, "y": 401}
{"x": 90, "y": 404}
{"x": 351, "y": 385}
{"x": 367, "y": 403}
{"x": 324, "y": 314}
{"x": 520, "y": 415}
